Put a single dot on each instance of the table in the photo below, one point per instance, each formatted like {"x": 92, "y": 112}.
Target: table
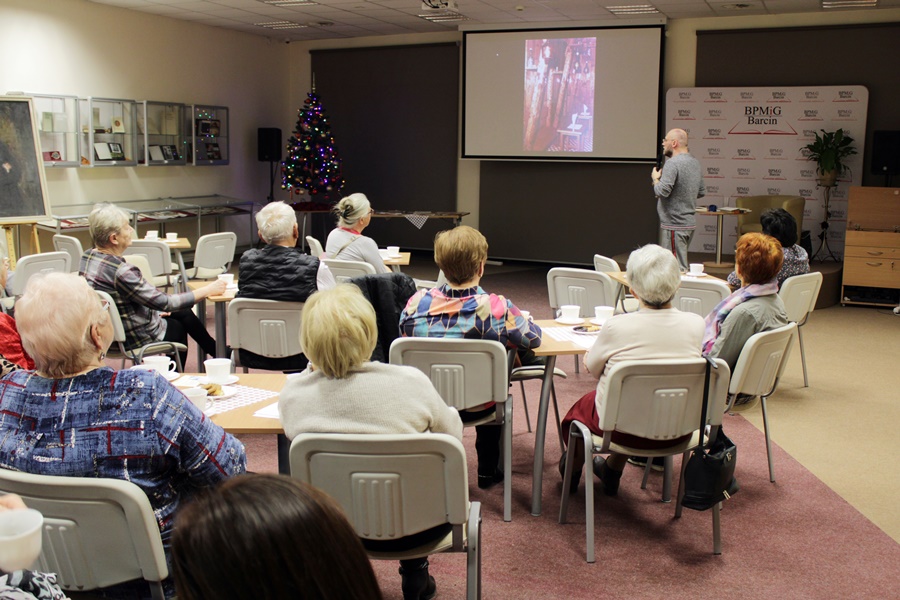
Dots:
{"x": 220, "y": 304}
{"x": 241, "y": 420}
{"x": 396, "y": 262}
{"x": 621, "y": 277}
{"x": 549, "y": 348}
{"x": 720, "y": 214}
{"x": 179, "y": 245}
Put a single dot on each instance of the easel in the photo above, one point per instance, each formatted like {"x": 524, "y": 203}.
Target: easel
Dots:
{"x": 10, "y": 240}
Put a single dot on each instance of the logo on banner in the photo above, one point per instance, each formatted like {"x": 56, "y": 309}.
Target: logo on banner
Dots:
{"x": 713, "y": 152}
{"x": 744, "y": 173}
{"x": 845, "y": 114}
{"x": 811, "y": 96}
{"x": 712, "y": 190}
{"x": 774, "y": 174}
{"x": 838, "y": 213}
{"x": 709, "y": 247}
{"x": 685, "y": 95}
{"x": 709, "y": 228}
{"x": 712, "y": 172}
{"x": 846, "y": 96}
{"x": 714, "y": 133}
{"x": 779, "y": 96}
{"x": 744, "y": 154}
{"x": 776, "y": 153}
{"x": 805, "y": 193}
{"x": 763, "y": 120}
{"x": 684, "y": 114}
{"x": 716, "y": 96}
{"x": 715, "y": 113}
{"x": 746, "y": 95}
{"x": 810, "y": 114}
{"x": 742, "y": 190}
{"x": 773, "y": 191}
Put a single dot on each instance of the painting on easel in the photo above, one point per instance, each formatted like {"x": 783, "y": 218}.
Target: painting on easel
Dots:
{"x": 23, "y": 188}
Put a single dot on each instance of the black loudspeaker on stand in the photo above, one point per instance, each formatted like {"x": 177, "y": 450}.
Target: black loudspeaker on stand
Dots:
{"x": 269, "y": 150}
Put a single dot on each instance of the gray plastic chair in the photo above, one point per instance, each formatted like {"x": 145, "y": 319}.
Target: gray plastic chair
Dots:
{"x": 315, "y": 247}
{"x": 700, "y": 296}
{"x": 467, "y": 373}
{"x": 137, "y": 356}
{"x": 45, "y": 262}
{"x": 97, "y": 532}
{"x": 655, "y": 399}
{"x": 159, "y": 258}
{"x": 394, "y": 486}
{"x": 345, "y": 270}
{"x": 270, "y": 328}
{"x": 213, "y": 255}
{"x": 799, "y": 294}
{"x": 72, "y": 245}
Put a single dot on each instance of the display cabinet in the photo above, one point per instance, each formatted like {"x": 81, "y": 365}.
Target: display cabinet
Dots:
{"x": 108, "y": 132}
{"x": 209, "y": 125}
{"x": 161, "y": 133}
{"x": 57, "y": 118}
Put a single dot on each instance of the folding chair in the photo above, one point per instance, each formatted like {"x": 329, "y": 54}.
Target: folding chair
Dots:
{"x": 72, "y": 245}
{"x": 345, "y": 270}
{"x": 269, "y": 328}
{"x": 700, "y": 296}
{"x": 799, "y": 294}
{"x": 137, "y": 355}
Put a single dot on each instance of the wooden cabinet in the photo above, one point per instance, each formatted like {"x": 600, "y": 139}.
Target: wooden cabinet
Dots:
{"x": 872, "y": 247}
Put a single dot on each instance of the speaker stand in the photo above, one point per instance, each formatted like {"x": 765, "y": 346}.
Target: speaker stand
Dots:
{"x": 271, "y": 197}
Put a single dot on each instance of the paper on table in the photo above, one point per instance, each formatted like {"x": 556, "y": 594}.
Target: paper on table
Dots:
{"x": 565, "y": 334}
{"x": 269, "y": 412}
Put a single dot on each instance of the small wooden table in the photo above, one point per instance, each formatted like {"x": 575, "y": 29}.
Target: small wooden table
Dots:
{"x": 549, "y": 348}
{"x": 720, "y": 214}
{"x": 395, "y": 262}
{"x": 220, "y": 304}
{"x": 179, "y": 245}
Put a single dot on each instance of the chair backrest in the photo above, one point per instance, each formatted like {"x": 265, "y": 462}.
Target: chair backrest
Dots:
{"x": 46, "y": 262}
{"x": 315, "y": 247}
{"x": 662, "y": 399}
{"x": 605, "y": 263}
{"x": 390, "y": 486}
{"x": 583, "y": 287}
{"x": 215, "y": 250}
{"x": 700, "y": 296}
{"x": 762, "y": 361}
{"x": 157, "y": 253}
{"x": 270, "y": 328}
{"x": 799, "y": 294}
{"x": 749, "y": 222}
{"x": 72, "y": 245}
{"x": 141, "y": 262}
{"x": 345, "y": 270}
{"x": 466, "y": 373}
{"x": 97, "y": 532}
{"x": 118, "y": 328}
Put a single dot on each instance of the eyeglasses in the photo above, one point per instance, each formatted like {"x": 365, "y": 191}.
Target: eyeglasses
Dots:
{"x": 104, "y": 304}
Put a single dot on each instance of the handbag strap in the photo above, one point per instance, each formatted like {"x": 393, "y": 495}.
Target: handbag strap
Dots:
{"x": 710, "y": 363}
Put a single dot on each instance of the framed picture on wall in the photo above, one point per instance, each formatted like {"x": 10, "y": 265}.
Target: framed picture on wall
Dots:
{"x": 23, "y": 187}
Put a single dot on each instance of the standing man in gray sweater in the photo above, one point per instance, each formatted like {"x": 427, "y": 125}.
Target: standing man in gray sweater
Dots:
{"x": 677, "y": 188}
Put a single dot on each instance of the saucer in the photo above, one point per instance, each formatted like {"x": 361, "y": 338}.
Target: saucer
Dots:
{"x": 231, "y": 286}
{"x": 231, "y": 379}
{"x": 599, "y": 322}
{"x": 695, "y": 274}
{"x": 227, "y": 392}
{"x": 586, "y": 329}
{"x": 564, "y": 321}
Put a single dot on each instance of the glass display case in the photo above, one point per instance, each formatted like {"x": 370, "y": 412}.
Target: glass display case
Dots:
{"x": 161, "y": 133}
{"x": 209, "y": 125}
{"x": 108, "y": 133}
{"x": 58, "y": 126}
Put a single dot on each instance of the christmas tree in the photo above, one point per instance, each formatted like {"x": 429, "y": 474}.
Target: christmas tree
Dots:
{"x": 312, "y": 164}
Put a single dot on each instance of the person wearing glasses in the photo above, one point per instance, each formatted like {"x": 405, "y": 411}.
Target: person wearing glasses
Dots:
{"x": 74, "y": 416}
{"x": 677, "y": 187}
{"x": 346, "y": 241}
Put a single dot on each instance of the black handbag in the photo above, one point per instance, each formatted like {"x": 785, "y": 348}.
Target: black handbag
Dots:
{"x": 709, "y": 475}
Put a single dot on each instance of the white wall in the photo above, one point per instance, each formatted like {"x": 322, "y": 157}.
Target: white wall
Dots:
{"x": 75, "y": 47}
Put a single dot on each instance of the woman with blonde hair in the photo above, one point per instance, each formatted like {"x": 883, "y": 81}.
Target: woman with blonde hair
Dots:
{"x": 346, "y": 242}
{"x": 341, "y": 391}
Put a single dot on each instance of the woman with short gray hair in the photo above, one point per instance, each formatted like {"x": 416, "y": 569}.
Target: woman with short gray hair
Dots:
{"x": 346, "y": 241}
{"x": 657, "y": 330}
{"x": 141, "y": 305}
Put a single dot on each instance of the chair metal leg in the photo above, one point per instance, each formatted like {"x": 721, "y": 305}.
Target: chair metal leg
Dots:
{"x": 567, "y": 478}
{"x": 667, "y": 478}
{"x": 588, "y": 497}
{"x": 576, "y": 357}
{"x": 507, "y": 463}
{"x": 802, "y": 358}
{"x": 473, "y": 553}
{"x": 646, "y": 474}
{"x": 156, "y": 590}
{"x": 525, "y": 406}
{"x": 762, "y": 400}
{"x": 717, "y": 534}
{"x": 680, "y": 494}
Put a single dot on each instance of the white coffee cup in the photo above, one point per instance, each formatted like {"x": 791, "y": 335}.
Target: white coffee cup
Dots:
{"x": 696, "y": 268}
{"x": 198, "y": 396}
{"x": 217, "y": 369}
{"x": 228, "y": 278}
{"x": 20, "y": 538}
{"x": 393, "y": 250}
{"x": 152, "y": 234}
{"x": 569, "y": 312}
{"x": 172, "y": 236}
{"x": 163, "y": 364}
{"x": 602, "y": 313}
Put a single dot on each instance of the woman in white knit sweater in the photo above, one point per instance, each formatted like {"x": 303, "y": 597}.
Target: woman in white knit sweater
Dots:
{"x": 342, "y": 392}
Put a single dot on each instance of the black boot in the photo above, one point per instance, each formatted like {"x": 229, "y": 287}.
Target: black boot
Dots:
{"x": 576, "y": 474}
{"x": 416, "y": 583}
{"x": 609, "y": 476}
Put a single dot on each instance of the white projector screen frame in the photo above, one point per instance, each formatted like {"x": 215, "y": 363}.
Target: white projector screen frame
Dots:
{"x": 518, "y": 105}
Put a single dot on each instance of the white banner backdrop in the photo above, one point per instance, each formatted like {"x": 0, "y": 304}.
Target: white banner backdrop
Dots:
{"x": 749, "y": 142}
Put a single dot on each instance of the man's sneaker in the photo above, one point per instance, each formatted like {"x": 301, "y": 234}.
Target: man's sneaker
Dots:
{"x": 658, "y": 463}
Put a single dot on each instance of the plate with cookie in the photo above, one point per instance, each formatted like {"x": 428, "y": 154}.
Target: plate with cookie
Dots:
{"x": 218, "y": 392}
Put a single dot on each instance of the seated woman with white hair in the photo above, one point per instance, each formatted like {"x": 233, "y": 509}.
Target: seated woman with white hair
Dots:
{"x": 147, "y": 314}
{"x": 74, "y": 416}
{"x": 341, "y": 391}
{"x": 346, "y": 242}
{"x": 657, "y": 330}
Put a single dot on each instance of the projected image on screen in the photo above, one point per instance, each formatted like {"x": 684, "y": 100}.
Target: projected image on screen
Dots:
{"x": 559, "y": 95}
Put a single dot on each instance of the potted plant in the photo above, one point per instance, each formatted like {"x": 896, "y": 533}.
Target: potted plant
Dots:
{"x": 829, "y": 151}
